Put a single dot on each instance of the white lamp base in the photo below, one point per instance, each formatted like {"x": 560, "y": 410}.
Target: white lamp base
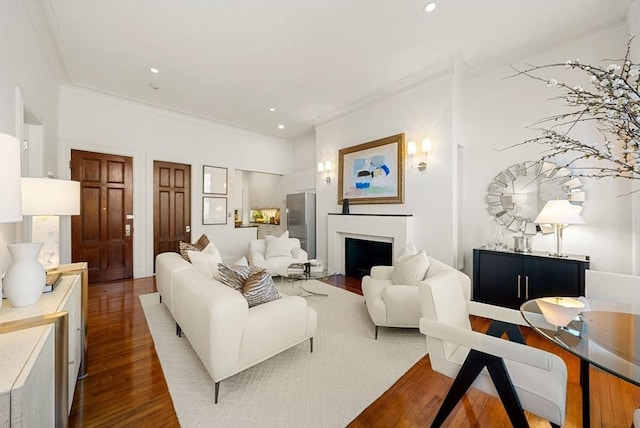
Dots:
{"x": 25, "y": 280}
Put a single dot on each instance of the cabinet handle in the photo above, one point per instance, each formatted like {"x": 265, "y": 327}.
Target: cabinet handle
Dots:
{"x": 518, "y": 286}
{"x": 526, "y": 287}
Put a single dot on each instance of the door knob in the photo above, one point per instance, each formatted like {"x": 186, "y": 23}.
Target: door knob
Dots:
{"x": 187, "y": 229}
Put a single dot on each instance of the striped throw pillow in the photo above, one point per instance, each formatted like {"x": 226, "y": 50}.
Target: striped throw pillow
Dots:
{"x": 259, "y": 288}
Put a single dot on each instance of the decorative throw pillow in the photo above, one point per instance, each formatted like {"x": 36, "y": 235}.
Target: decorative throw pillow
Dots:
{"x": 185, "y": 247}
{"x": 242, "y": 261}
{"x": 202, "y": 242}
{"x": 259, "y": 288}
{"x": 277, "y": 246}
{"x": 410, "y": 270}
{"x": 206, "y": 261}
{"x": 235, "y": 276}
{"x": 199, "y": 245}
{"x": 409, "y": 250}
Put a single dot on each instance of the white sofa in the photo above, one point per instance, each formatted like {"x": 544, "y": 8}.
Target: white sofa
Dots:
{"x": 257, "y": 250}
{"x": 227, "y": 335}
{"x": 392, "y": 305}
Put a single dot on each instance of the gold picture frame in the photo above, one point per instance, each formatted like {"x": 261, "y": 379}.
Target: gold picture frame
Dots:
{"x": 373, "y": 172}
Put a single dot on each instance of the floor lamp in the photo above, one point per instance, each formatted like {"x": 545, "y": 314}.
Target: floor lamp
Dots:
{"x": 11, "y": 206}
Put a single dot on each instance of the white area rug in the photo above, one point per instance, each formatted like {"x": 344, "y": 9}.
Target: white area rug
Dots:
{"x": 346, "y": 372}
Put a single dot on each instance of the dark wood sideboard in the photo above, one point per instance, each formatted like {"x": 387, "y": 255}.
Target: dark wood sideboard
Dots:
{"x": 509, "y": 278}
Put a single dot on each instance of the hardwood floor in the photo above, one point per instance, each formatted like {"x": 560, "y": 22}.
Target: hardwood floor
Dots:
{"x": 126, "y": 387}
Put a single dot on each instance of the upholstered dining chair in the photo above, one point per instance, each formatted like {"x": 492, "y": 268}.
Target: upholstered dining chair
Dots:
{"x": 612, "y": 286}
{"x": 523, "y": 377}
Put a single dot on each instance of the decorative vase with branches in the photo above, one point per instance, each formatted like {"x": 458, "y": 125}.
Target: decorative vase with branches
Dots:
{"x": 611, "y": 101}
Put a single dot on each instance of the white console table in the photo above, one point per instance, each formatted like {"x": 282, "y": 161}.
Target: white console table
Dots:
{"x": 28, "y": 366}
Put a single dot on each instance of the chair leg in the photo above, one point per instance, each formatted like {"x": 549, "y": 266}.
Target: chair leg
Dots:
{"x": 178, "y": 330}
{"x": 471, "y": 368}
{"x": 217, "y": 389}
{"x": 513, "y": 332}
{"x": 311, "y": 343}
{"x": 376, "y": 332}
{"x": 506, "y": 391}
{"x": 160, "y": 297}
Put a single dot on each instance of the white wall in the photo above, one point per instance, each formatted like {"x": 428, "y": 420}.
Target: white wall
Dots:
{"x": 419, "y": 112}
{"x": 480, "y": 111}
{"x": 100, "y": 123}
{"x": 496, "y": 114}
{"x": 27, "y": 66}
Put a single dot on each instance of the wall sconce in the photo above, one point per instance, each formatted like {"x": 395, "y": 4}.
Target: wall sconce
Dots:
{"x": 326, "y": 168}
{"x": 412, "y": 150}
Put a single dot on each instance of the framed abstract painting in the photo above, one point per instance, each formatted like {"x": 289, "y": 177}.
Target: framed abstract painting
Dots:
{"x": 373, "y": 172}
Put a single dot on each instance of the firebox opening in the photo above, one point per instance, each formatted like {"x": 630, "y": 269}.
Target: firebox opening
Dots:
{"x": 361, "y": 255}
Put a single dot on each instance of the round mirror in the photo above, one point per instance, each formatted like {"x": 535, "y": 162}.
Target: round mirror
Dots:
{"x": 518, "y": 194}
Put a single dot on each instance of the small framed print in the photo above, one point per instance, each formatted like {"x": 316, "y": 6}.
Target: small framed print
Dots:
{"x": 214, "y": 210}
{"x": 214, "y": 180}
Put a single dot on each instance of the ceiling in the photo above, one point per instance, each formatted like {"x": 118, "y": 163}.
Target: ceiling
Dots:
{"x": 311, "y": 60}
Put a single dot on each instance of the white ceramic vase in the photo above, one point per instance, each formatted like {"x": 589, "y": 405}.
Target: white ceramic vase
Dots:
{"x": 26, "y": 278}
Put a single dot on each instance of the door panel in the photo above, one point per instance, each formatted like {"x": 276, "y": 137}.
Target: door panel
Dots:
{"x": 171, "y": 206}
{"x": 99, "y": 232}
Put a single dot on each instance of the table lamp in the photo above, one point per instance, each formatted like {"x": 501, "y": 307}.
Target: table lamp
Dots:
{"x": 559, "y": 213}
{"x": 46, "y": 199}
{"x": 11, "y": 206}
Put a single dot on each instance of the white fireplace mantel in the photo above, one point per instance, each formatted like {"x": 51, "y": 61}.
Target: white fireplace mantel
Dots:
{"x": 396, "y": 229}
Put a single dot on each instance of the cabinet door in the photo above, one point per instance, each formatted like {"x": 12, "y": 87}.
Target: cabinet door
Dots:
{"x": 552, "y": 277}
{"x": 499, "y": 279}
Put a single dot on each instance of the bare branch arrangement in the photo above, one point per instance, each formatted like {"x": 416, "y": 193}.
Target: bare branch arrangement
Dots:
{"x": 612, "y": 103}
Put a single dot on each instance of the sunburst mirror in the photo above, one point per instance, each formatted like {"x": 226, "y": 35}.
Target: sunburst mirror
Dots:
{"x": 518, "y": 194}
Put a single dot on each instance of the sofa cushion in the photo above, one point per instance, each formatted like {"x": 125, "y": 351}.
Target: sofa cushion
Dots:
{"x": 277, "y": 246}
{"x": 410, "y": 270}
{"x": 259, "y": 288}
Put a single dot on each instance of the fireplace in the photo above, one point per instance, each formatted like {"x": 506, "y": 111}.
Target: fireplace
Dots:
{"x": 394, "y": 229}
{"x": 361, "y": 255}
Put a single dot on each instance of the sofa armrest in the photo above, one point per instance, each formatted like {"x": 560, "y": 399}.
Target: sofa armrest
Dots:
{"x": 299, "y": 254}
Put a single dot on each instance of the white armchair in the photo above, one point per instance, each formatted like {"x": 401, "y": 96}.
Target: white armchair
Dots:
{"x": 258, "y": 255}
{"x": 392, "y": 305}
{"x": 523, "y": 377}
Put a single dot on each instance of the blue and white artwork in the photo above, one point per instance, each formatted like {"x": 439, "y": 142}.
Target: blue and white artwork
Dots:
{"x": 371, "y": 173}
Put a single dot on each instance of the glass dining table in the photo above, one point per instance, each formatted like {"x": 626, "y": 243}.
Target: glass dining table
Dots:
{"x": 604, "y": 334}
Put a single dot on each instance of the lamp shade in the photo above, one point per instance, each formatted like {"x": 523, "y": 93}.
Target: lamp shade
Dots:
{"x": 559, "y": 212}
{"x": 48, "y": 196}
{"x": 11, "y": 206}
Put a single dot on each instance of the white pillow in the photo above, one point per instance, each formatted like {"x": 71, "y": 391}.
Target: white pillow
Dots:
{"x": 409, "y": 250}
{"x": 275, "y": 247}
{"x": 206, "y": 262}
{"x": 410, "y": 270}
{"x": 242, "y": 261}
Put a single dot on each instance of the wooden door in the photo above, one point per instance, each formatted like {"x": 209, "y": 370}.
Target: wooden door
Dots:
{"x": 102, "y": 234}
{"x": 171, "y": 206}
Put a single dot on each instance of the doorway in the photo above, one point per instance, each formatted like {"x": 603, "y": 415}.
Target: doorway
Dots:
{"x": 102, "y": 234}
{"x": 171, "y": 206}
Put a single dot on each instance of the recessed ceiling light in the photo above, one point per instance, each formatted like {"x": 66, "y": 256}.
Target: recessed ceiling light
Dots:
{"x": 430, "y": 7}
{"x": 281, "y": 126}
{"x": 272, "y": 109}
{"x": 154, "y": 70}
